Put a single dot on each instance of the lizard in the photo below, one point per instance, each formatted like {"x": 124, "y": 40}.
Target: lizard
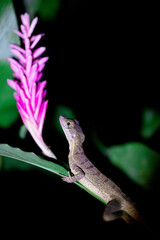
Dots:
{"x": 118, "y": 205}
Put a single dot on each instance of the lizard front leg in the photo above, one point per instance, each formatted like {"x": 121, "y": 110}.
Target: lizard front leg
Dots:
{"x": 78, "y": 176}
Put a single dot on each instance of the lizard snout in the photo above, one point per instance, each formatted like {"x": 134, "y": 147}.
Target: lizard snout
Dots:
{"x": 61, "y": 119}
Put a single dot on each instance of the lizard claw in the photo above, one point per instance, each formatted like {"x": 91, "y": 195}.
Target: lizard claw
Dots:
{"x": 68, "y": 179}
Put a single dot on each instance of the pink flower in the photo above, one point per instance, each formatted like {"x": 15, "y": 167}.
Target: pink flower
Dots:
{"x": 29, "y": 90}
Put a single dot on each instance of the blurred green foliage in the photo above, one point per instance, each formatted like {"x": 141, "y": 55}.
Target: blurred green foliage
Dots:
{"x": 140, "y": 163}
{"x": 8, "y": 22}
{"x": 8, "y": 110}
{"x": 150, "y": 122}
{"x": 47, "y": 9}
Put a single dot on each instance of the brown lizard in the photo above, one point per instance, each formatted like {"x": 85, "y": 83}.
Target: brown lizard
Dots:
{"x": 118, "y": 204}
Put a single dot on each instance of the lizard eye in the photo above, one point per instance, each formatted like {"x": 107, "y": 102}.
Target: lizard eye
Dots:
{"x": 69, "y": 124}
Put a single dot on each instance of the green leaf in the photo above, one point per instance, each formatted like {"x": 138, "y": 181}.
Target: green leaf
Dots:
{"x": 7, "y": 164}
{"x": 140, "y": 163}
{"x": 31, "y": 158}
{"x": 8, "y": 23}
{"x": 64, "y": 111}
{"x": 150, "y": 122}
{"x": 8, "y": 110}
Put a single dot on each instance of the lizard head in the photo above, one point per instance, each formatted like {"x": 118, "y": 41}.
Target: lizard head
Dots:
{"x": 72, "y": 130}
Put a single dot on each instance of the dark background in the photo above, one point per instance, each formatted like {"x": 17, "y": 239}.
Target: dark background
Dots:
{"x": 103, "y": 65}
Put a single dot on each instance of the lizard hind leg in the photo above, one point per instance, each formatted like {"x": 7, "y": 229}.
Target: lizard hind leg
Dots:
{"x": 112, "y": 211}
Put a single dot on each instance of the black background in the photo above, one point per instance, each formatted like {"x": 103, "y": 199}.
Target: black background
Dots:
{"x": 103, "y": 64}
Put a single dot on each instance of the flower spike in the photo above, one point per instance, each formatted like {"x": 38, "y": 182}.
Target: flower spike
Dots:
{"x": 29, "y": 91}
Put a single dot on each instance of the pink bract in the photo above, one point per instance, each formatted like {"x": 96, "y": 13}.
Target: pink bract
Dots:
{"x": 29, "y": 90}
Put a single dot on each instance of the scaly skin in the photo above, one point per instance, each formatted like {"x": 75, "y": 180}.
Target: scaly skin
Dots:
{"x": 118, "y": 204}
